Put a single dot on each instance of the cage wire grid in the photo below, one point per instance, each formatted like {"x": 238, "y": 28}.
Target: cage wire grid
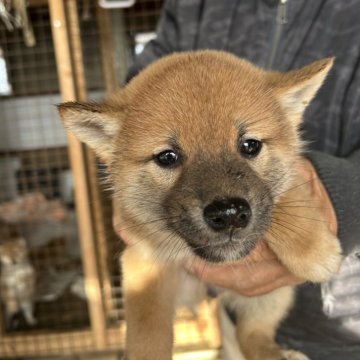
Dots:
{"x": 36, "y": 191}
{"x": 37, "y": 186}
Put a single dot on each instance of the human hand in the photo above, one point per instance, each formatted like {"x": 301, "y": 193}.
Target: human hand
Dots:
{"x": 259, "y": 273}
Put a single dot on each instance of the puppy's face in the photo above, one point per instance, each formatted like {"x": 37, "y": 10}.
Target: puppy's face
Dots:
{"x": 200, "y": 146}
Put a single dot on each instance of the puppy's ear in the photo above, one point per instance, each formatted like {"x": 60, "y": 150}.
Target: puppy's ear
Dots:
{"x": 295, "y": 89}
{"x": 95, "y": 124}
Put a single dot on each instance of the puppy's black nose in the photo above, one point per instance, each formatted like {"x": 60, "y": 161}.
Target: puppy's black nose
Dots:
{"x": 222, "y": 214}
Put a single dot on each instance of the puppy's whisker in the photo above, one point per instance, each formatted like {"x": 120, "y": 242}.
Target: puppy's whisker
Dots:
{"x": 299, "y": 216}
{"x": 174, "y": 249}
{"x": 290, "y": 228}
{"x": 298, "y": 185}
{"x": 129, "y": 218}
{"x": 142, "y": 200}
{"x": 139, "y": 225}
{"x": 299, "y": 201}
{"x": 158, "y": 230}
{"x": 304, "y": 207}
{"x": 274, "y": 235}
{"x": 285, "y": 178}
{"x": 179, "y": 248}
{"x": 163, "y": 247}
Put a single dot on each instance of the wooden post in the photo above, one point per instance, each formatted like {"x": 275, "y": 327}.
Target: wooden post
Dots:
{"x": 95, "y": 191}
{"x": 76, "y": 50}
{"x": 106, "y": 47}
{"x": 111, "y": 84}
{"x": 78, "y": 164}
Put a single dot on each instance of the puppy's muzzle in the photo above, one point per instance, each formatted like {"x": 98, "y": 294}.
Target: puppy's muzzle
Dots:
{"x": 223, "y": 214}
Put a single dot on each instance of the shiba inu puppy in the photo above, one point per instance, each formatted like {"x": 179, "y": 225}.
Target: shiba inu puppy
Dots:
{"x": 202, "y": 149}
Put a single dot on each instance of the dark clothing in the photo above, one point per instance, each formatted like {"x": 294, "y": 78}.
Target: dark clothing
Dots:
{"x": 283, "y": 38}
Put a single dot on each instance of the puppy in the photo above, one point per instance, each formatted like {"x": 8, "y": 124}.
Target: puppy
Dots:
{"x": 202, "y": 149}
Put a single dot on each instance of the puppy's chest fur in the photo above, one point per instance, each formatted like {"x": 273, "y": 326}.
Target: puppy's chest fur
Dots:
{"x": 202, "y": 151}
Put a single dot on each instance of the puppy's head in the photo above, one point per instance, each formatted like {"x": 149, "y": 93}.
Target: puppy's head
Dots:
{"x": 200, "y": 146}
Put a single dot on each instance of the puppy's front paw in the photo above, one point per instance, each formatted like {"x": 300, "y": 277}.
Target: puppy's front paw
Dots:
{"x": 293, "y": 355}
{"x": 322, "y": 261}
{"x": 315, "y": 256}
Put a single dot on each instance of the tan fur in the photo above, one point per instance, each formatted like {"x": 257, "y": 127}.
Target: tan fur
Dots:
{"x": 302, "y": 217}
{"x": 150, "y": 289}
{"x": 205, "y": 102}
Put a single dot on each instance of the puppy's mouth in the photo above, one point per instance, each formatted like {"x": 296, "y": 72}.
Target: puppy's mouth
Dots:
{"x": 218, "y": 248}
{"x": 224, "y": 252}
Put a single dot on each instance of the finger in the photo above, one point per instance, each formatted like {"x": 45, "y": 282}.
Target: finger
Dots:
{"x": 288, "y": 280}
{"x": 240, "y": 276}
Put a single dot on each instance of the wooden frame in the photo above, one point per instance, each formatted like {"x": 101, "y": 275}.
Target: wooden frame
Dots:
{"x": 187, "y": 338}
{"x": 64, "y": 343}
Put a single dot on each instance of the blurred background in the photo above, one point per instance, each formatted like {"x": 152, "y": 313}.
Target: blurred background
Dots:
{"x": 56, "y": 238}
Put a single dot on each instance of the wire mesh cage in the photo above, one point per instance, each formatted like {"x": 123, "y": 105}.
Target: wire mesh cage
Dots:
{"x": 56, "y": 237}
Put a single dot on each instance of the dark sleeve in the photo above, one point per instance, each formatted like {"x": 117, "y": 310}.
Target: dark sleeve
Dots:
{"x": 341, "y": 175}
{"x": 165, "y": 43}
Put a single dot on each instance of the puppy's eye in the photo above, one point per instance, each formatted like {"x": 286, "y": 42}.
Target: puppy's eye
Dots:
{"x": 250, "y": 148}
{"x": 167, "y": 158}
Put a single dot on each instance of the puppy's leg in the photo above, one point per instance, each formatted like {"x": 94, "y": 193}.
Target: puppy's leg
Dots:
{"x": 257, "y": 321}
{"x": 300, "y": 237}
{"x": 149, "y": 307}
